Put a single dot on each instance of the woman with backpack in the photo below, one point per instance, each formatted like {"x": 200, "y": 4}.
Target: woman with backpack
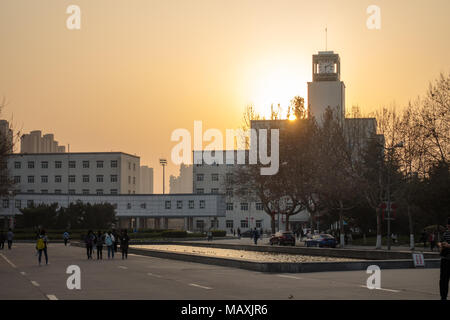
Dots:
{"x": 109, "y": 244}
{"x": 41, "y": 246}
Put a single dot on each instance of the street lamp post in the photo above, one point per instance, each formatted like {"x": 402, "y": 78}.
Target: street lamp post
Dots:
{"x": 163, "y": 162}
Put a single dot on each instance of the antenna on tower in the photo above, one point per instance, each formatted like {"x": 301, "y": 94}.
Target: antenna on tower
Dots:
{"x": 326, "y": 38}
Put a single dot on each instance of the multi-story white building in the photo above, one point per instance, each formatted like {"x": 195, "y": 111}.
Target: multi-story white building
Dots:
{"x": 33, "y": 142}
{"x": 182, "y": 183}
{"x": 75, "y": 173}
{"x": 146, "y": 180}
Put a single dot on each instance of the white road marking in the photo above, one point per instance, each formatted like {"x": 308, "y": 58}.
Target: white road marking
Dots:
{"x": 35, "y": 283}
{"x": 289, "y": 277}
{"x": 122, "y": 267}
{"x": 154, "y": 275}
{"x": 199, "y": 286}
{"x": 7, "y": 260}
{"x": 382, "y": 289}
{"x": 52, "y": 297}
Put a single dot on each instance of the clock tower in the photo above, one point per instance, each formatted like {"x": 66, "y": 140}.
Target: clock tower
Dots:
{"x": 326, "y": 89}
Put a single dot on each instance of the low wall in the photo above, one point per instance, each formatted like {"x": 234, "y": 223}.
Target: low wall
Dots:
{"x": 284, "y": 267}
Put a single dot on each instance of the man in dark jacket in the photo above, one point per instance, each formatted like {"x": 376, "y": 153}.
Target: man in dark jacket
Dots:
{"x": 124, "y": 241}
{"x": 2, "y": 240}
{"x": 445, "y": 262}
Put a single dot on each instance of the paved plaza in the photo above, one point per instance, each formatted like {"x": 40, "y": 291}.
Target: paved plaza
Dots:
{"x": 142, "y": 277}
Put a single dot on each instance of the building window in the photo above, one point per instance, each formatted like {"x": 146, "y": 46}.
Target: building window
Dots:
{"x": 58, "y": 164}
{"x": 179, "y": 204}
{"x": 30, "y": 179}
{"x": 229, "y": 224}
{"x": 215, "y": 224}
{"x": 44, "y": 179}
{"x": 85, "y": 164}
{"x": 72, "y": 164}
{"x": 85, "y": 191}
{"x": 113, "y": 191}
{"x": 86, "y": 178}
{"x": 200, "y": 191}
{"x": 113, "y": 163}
{"x": 44, "y": 164}
{"x": 17, "y": 165}
{"x": 129, "y": 165}
{"x": 229, "y": 178}
{"x": 143, "y": 206}
{"x": 100, "y": 178}
{"x": 16, "y": 179}
{"x": 44, "y": 191}
{"x": 202, "y": 204}
{"x": 215, "y": 177}
{"x": 259, "y": 224}
{"x": 168, "y": 204}
{"x": 57, "y": 191}
{"x": 191, "y": 204}
{"x": 128, "y": 206}
{"x": 229, "y": 206}
{"x": 259, "y": 206}
{"x": 134, "y": 166}
{"x": 18, "y": 204}
{"x": 5, "y": 203}
{"x": 30, "y": 191}
{"x": 200, "y": 177}
{"x": 30, "y": 164}
{"x": 58, "y": 179}
{"x": 100, "y": 164}
{"x": 99, "y": 192}
{"x": 30, "y": 203}
{"x": 114, "y": 178}
{"x": 200, "y": 224}
{"x": 215, "y": 190}
{"x": 72, "y": 179}
{"x": 244, "y": 206}
{"x": 134, "y": 180}
{"x": 71, "y": 191}
{"x": 244, "y": 224}
{"x": 230, "y": 192}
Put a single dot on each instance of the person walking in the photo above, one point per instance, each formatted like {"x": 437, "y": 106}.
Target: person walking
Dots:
{"x": 41, "y": 246}
{"x": 89, "y": 240}
{"x": 445, "y": 262}
{"x": 109, "y": 244}
{"x": 10, "y": 237}
{"x": 99, "y": 245}
{"x": 65, "y": 237}
{"x": 115, "y": 239}
{"x": 255, "y": 235}
{"x": 424, "y": 238}
{"x": 239, "y": 233}
{"x": 2, "y": 240}
{"x": 209, "y": 235}
{"x": 432, "y": 241}
{"x": 124, "y": 241}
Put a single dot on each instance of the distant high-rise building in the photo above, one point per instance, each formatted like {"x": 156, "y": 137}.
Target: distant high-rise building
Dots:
{"x": 35, "y": 143}
{"x": 182, "y": 183}
{"x": 146, "y": 180}
{"x": 6, "y": 136}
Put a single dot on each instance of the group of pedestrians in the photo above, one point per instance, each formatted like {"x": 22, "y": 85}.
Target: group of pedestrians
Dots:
{"x": 110, "y": 239}
{"x": 431, "y": 237}
{"x": 8, "y": 237}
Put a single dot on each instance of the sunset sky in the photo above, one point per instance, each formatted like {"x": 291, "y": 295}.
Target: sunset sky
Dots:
{"x": 139, "y": 69}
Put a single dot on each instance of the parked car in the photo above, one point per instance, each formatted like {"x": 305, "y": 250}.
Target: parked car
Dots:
{"x": 322, "y": 240}
{"x": 283, "y": 238}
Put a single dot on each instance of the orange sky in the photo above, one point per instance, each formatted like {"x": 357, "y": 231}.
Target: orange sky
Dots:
{"x": 139, "y": 69}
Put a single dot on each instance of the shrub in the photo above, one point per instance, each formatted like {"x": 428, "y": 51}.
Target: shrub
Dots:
{"x": 219, "y": 233}
{"x": 174, "y": 234}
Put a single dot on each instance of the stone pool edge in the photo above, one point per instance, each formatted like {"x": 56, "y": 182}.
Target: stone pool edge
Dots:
{"x": 285, "y": 267}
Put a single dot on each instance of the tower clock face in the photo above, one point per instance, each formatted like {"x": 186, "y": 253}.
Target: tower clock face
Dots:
{"x": 326, "y": 67}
